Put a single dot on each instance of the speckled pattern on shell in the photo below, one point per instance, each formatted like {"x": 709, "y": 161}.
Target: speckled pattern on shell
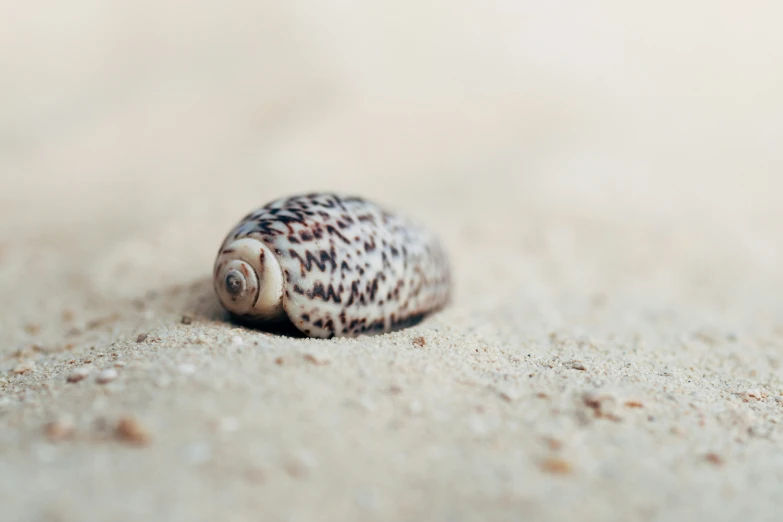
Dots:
{"x": 350, "y": 267}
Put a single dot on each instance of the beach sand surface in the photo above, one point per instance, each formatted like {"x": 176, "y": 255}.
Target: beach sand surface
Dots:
{"x": 606, "y": 179}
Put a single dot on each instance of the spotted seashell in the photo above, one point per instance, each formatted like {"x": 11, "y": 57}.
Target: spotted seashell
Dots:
{"x": 331, "y": 265}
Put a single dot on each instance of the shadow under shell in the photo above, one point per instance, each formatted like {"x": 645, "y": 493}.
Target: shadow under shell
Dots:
{"x": 284, "y": 328}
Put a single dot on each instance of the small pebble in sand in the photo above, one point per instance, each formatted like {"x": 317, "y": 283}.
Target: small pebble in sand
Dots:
{"x": 106, "y": 376}
{"x": 602, "y": 405}
{"x": 141, "y": 338}
{"x": 301, "y": 464}
{"x": 59, "y": 429}
{"x": 130, "y": 431}
{"x": 633, "y": 404}
{"x": 21, "y": 353}
{"x": 102, "y": 321}
{"x": 553, "y": 444}
{"x": 319, "y": 359}
{"x": 32, "y": 328}
{"x": 714, "y": 458}
{"x": 237, "y": 341}
{"x": 79, "y": 374}
{"x": 186, "y": 319}
{"x": 395, "y": 389}
{"x": 754, "y": 393}
{"x": 24, "y": 367}
{"x": 596, "y": 401}
{"x": 577, "y": 365}
{"x": 555, "y": 466}
{"x": 419, "y": 341}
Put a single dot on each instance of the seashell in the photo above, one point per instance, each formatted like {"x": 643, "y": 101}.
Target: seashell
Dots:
{"x": 331, "y": 265}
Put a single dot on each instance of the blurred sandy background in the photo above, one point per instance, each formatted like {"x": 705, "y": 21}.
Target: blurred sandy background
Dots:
{"x": 607, "y": 177}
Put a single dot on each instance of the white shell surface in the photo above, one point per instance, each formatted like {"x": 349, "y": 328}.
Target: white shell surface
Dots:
{"x": 349, "y": 267}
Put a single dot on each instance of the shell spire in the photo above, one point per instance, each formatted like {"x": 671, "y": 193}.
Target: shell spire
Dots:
{"x": 334, "y": 266}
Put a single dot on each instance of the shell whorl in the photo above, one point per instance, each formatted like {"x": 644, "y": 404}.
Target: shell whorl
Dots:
{"x": 249, "y": 281}
{"x": 333, "y": 266}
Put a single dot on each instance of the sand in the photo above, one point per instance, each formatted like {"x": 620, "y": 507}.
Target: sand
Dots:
{"x": 606, "y": 179}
